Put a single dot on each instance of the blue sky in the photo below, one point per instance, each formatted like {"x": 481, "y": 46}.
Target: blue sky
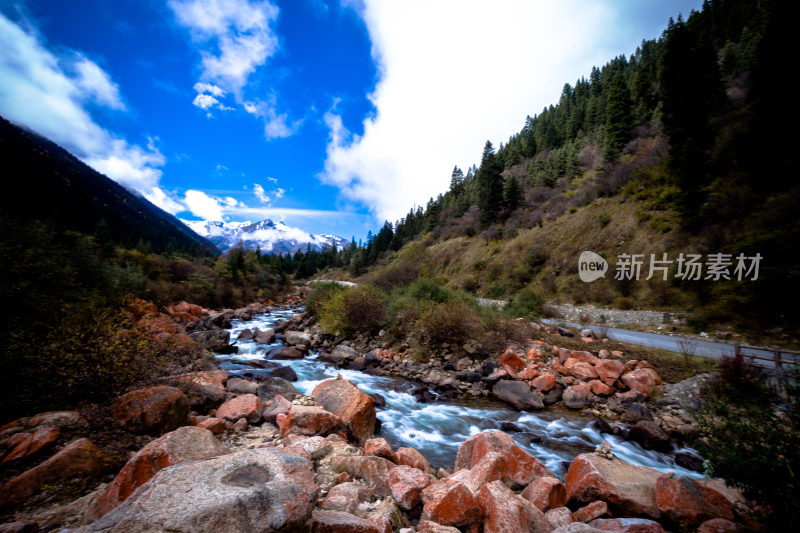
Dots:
{"x": 331, "y": 115}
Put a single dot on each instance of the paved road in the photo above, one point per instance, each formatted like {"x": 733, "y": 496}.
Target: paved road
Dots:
{"x": 691, "y": 345}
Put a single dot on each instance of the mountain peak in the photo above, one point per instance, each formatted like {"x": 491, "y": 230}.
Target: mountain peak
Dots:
{"x": 269, "y": 236}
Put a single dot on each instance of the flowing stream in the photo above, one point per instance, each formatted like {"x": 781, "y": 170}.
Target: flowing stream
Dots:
{"x": 437, "y": 429}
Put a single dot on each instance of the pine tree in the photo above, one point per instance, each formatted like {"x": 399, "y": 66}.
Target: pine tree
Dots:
{"x": 512, "y": 195}
{"x": 490, "y": 187}
{"x": 619, "y": 121}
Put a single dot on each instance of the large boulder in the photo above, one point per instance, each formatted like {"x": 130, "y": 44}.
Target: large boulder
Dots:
{"x": 578, "y": 396}
{"x": 370, "y": 469}
{"x": 284, "y": 372}
{"x": 259, "y": 490}
{"x": 512, "y": 360}
{"x": 406, "y": 484}
{"x": 285, "y": 353}
{"x": 546, "y": 493}
{"x": 650, "y": 435}
{"x": 80, "y": 460}
{"x": 274, "y": 386}
{"x": 411, "y": 457}
{"x": 518, "y": 394}
{"x": 690, "y": 502}
{"x": 264, "y": 337}
{"x": 628, "y": 490}
{"x": 58, "y": 420}
{"x": 580, "y": 370}
{"x": 307, "y": 420}
{"x": 355, "y": 408}
{"x": 502, "y": 510}
{"x": 247, "y": 406}
{"x": 609, "y": 370}
{"x": 204, "y": 389}
{"x": 241, "y": 386}
{"x": 450, "y": 503}
{"x": 294, "y": 338}
{"x": 346, "y": 497}
{"x": 274, "y": 407}
{"x": 520, "y": 467}
{"x": 184, "y": 444}
{"x": 641, "y": 380}
{"x": 214, "y": 340}
{"x": 151, "y": 411}
{"x": 379, "y": 448}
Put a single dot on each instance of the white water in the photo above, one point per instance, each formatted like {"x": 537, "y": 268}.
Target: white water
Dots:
{"x": 437, "y": 429}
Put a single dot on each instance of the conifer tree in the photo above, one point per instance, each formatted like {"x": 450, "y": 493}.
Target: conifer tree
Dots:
{"x": 490, "y": 186}
{"x": 618, "y": 117}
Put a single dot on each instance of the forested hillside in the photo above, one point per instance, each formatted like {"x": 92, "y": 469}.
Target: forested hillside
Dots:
{"x": 683, "y": 147}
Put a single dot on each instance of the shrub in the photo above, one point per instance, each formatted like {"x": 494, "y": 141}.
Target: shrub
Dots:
{"x": 396, "y": 275}
{"x": 321, "y": 294}
{"x": 453, "y": 322}
{"x": 354, "y": 310}
{"x": 526, "y": 303}
{"x": 752, "y": 440}
{"x": 604, "y": 219}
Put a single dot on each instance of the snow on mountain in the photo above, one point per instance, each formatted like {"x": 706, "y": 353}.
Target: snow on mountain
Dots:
{"x": 272, "y": 237}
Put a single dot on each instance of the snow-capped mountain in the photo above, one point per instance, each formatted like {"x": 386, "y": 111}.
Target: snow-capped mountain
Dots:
{"x": 272, "y": 237}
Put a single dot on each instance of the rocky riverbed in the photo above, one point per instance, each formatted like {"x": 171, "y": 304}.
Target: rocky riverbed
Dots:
{"x": 249, "y": 451}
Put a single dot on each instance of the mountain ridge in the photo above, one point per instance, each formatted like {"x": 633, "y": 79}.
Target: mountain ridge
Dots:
{"x": 271, "y": 237}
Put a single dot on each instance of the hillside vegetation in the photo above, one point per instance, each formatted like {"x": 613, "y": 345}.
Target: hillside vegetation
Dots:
{"x": 681, "y": 148}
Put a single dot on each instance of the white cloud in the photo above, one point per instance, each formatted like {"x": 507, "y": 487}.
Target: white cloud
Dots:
{"x": 454, "y": 73}
{"x": 47, "y": 93}
{"x": 235, "y": 38}
{"x": 208, "y": 97}
{"x": 234, "y": 35}
{"x": 204, "y": 206}
{"x": 275, "y": 126}
{"x": 260, "y": 193}
{"x": 97, "y": 83}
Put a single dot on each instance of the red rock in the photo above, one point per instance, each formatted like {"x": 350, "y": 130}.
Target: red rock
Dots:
{"x": 426, "y": 526}
{"x": 450, "y": 503}
{"x": 630, "y": 396}
{"x": 31, "y": 444}
{"x": 205, "y": 388}
{"x": 520, "y": 467}
{"x": 345, "y": 497}
{"x": 587, "y": 340}
{"x": 502, "y": 511}
{"x": 546, "y": 493}
{"x": 307, "y": 420}
{"x": 584, "y": 357}
{"x": 379, "y": 448}
{"x": 214, "y": 425}
{"x": 627, "y": 525}
{"x": 562, "y": 353}
{"x": 512, "y": 360}
{"x": 687, "y": 501}
{"x": 356, "y": 409}
{"x": 410, "y": 457}
{"x": 560, "y": 516}
{"x": 372, "y": 470}
{"x": 642, "y": 380}
{"x": 627, "y": 489}
{"x": 141, "y": 308}
{"x": 545, "y": 382}
{"x": 490, "y": 468}
{"x": 599, "y": 388}
{"x": 406, "y": 484}
{"x": 276, "y": 406}
{"x": 246, "y": 406}
{"x": 535, "y": 354}
{"x": 718, "y": 525}
{"x": 609, "y": 370}
{"x": 559, "y": 368}
{"x": 577, "y": 396}
{"x": 590, "y": 512}
{"x": 58, "y": 420}
{"x": 152, "y": 411}
{"x": 79, "y": 459}
{"x": 184, "y": 444}
{"x": 580, "y": 370}
{"x": 338, "y": 522}
{"x": 530, "y": 372}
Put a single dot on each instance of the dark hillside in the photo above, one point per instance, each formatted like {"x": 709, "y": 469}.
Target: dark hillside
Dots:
{"x": 42, "y": 181}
